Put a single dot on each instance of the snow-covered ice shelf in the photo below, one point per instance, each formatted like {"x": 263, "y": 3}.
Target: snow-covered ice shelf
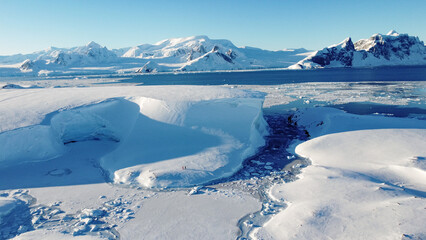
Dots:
{"x": 66, "y": 144}
{"x": 165, "y": 136}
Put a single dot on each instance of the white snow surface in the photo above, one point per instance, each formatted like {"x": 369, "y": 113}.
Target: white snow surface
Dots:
{"x": 213, "y": 215}
{"x": 323, "y": 120}
{"x": 367, "y": 184}
{"x": 165, "y": 136}
{"x": 52, "y": 235}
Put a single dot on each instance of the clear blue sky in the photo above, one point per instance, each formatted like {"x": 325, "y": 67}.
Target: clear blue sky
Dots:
{"x": 29, "y": 25}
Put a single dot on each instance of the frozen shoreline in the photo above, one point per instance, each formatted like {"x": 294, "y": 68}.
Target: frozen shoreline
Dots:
{"x": 126, "y": 208}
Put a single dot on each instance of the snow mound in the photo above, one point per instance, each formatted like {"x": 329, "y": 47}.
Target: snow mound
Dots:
{"x": 370, "y": 184}
{"x": 183, "y": 144}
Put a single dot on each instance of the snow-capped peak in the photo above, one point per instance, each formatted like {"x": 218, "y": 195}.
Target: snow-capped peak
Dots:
{"x": 393, "y": 33}
{"x": 176, "y": 41}
{"x": 180, "y": 49}
{"x": 347, "y": 43}
{"x": 93, "y": 44}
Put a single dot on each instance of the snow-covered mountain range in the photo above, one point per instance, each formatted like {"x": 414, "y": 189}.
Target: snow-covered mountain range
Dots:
{"x": 198, "y": 53}
{"x": 378, "y": 50}
{"x": 91, "y": 54}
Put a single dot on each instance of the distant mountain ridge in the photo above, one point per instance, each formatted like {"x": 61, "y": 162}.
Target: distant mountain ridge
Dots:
{"x": 92, "y": 53}
{"x": 378, "y": 50}
{"x": 200, "y": 53}
{"x": 196, "y": 53}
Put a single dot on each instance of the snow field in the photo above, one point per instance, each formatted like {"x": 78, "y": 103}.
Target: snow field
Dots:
{"x": 52, "y": 235}
{"x": 373, "y": 188}
{"x": 362, "y": 184}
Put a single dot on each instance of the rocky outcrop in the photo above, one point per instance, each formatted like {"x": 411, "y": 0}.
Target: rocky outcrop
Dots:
{"x": 378, "y": 50}
{"x": 149, "y": 67}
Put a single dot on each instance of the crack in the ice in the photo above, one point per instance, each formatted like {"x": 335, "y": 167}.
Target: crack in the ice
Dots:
{"x": 272, "y": 164}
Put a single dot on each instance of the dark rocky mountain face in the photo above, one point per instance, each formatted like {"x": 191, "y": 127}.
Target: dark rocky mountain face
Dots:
{"x": 378, "y": 50}
{"x": 386, "y": 46}
{"x": 342, "y": 52}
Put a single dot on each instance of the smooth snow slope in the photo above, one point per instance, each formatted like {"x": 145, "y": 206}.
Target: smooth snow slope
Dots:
{"x": 164, "y": 136}
{"x": 366, "y": 184}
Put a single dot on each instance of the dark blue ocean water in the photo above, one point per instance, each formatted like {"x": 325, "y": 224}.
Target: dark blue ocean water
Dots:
{"x": 411, "y": 73}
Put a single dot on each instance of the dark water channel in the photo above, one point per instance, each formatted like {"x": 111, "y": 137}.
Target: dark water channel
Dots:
{"x": 272, "y": 164}
{"x": 276, "y": 77}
